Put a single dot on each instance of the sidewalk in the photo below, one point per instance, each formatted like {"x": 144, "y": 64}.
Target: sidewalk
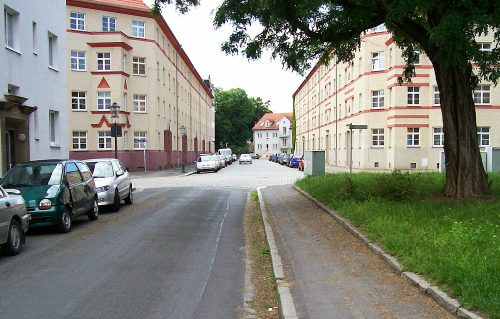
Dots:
{"x": 331, "y": 273}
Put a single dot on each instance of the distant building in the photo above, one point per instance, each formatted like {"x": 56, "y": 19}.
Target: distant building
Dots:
{"x": 33, "y": 114}
{"x": 120, "y": 53}
{"x": 404, "y": 122}
{"x": 273, "y": 134}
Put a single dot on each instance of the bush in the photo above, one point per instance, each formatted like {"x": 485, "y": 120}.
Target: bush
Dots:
{"x": 395, "y": 187}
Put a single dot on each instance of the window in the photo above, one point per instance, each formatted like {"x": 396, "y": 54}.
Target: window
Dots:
{"x": 138, "y": 29}
{"x": 482, "y": 94}
{"x": 140, "y": 140}
{"x": 78, "y": 61}
{"x": 10, "y": 27}
{"x": 53, "y": 127}
{"x": 139, "y": 103}
{"x": 79, "y": 140}
{"x": 108, "y": 24}
{"x": 78, "y": 101}
{"x": 378, "y": 61}
{"x": 104, "y": 140}
{"x": 485, "y": 47}
{"x": 437, "y": 137}
{"x": 377, "y": 137}
{"x": 139, "y": 66}
{"x": 104, "y": 100}
{"x": 413, "y": 137}
{"x": 413, "y": 95}
{"x": 437, "y": 96}
{"x": 52, "y": 39}
{"x": 378, "y": 99}
{"x": 103, "y": 61}
{"x": 483, "y": 136}
{"x": 73, "y": 174}
{"x": 124, "y": 102}
{"x": 418, "y": 60}
{"x": 77, "y": 21}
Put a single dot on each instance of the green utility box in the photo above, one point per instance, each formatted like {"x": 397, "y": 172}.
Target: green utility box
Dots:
{"x": 314, "y": 162}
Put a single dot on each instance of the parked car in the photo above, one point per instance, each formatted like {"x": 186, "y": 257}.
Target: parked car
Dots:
{"x": 207, "y": 163}
{"x": 284, "y": 159}
{"x": 245, "y": 158}
{"x": 55, "y": 191}
{"x": 301, "y": 164}
{"x": 14, "y": 221}
{"x": 234, "y": 158}
{"x": 255, "y": 156}
{"x": 221, "y": 159}
{"x": 294, "y": 160}
{"x": 112, "y": 181}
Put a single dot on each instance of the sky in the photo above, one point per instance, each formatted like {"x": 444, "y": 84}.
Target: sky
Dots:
{"x": 264, "y": 78}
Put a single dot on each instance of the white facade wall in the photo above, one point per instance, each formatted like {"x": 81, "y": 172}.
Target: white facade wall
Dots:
{"x": 26, "y": 71}
{"x": 277, "y": 138}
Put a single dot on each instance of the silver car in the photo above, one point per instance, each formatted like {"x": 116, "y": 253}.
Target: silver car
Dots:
{"x": 14, "y": 221}
{"x": 207, "y": 163}
{"x": 112, "y": 181}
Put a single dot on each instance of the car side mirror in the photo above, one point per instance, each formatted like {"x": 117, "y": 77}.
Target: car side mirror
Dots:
{"x": 119, "y": 173}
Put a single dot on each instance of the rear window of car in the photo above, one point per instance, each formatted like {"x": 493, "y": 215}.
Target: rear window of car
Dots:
{"x": 35, "y": 174}
{"x": 205, "y": 158}
{"x": 101, "y": 169}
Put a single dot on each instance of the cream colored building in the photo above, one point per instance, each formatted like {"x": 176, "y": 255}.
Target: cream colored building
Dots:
{"x": 119, "y": 53}
{"x": 404, "y": 125}
{"x": 273, "y": 134}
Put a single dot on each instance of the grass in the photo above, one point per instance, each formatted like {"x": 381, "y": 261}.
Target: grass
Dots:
{"x": 453, "y": 243}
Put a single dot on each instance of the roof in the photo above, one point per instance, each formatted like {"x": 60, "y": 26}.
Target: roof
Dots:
{"x": 273, "y": 118}
{"x": 132, "y": 4}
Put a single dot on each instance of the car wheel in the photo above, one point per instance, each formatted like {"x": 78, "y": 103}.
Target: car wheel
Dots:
{"x": 94, "y": 212}
{"x": 116, "y": 202}
{"x": 66, "y": 221}
{"x": 130, "y": 198}
{"x": 14, "y": 238}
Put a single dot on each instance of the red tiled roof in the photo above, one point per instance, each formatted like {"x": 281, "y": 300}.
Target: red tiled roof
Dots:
{"x": 273, "y": 118}
{"x": 132, "y": 4}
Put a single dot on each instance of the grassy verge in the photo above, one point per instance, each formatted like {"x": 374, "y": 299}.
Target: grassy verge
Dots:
{"x": 262, "y": 276}
{"x": 453, "y": 243}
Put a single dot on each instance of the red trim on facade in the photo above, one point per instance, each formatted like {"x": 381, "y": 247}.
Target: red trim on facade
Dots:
{"x": 122, "y": 45}
{"x": 408, "y": 125}
{"x": 408, "y": 117}
{"x": 125, "y": 86}
{"x": 110, "y": 73}
{"x": 348, "y": 91}
{"x": 415, "y": 76}
{"x": 103, "y": 84}
{"x": 373, "y": 34}
{"x": 390, "y": 41}
{"x": 103, "y": 120}
{"x": 351, "y": 97}
{"x": 407, "y": 84}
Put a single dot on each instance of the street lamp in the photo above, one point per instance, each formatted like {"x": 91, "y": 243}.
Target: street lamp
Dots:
{"x": 115, "y": 114}
{"x": 182, "y": 131}
{"x": 303, "y": 144}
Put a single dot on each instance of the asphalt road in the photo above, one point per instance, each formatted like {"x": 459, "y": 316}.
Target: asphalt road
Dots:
{"x": 174, "y": 253}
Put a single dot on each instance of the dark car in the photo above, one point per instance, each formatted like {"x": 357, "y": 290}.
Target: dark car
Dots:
{"x": 255, "y": 156}
{"x": 284, "y": 159}
{"x": 294, "y": 160}
{"x": 55, "y": 191}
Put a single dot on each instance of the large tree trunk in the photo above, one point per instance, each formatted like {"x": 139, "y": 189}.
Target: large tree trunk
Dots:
{"x": 465, "y": 174}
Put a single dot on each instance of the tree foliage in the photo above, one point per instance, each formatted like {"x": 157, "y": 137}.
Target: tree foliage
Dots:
{"x": 235, "y": 115}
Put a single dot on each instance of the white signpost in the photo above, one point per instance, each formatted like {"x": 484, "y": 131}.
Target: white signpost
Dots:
{"x": 142, "y": 140}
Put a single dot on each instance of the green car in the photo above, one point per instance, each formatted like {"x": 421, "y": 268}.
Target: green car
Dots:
{"x": 55, "y": 191}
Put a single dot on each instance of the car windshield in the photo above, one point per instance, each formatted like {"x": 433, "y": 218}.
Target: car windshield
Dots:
{"x": 35, "y": 174}
{"x": 205, "y": 158}
{"x": 101, "y": 169}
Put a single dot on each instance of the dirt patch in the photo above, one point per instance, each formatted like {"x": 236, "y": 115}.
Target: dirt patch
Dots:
{"x": 264, "y": 297}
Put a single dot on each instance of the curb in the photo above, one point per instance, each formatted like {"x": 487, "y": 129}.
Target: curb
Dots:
{"x": 287, "y": 307}
{"x": 440, "y": 297}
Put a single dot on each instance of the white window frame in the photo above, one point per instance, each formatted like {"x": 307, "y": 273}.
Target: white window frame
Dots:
{"x": 413, "y": 137}
{"x": 104, "y": 140}
{"x": 79, "y": 140}
{"x": 103, "y": 61}
{"x": 483, "y": 136}
{"x": 485, "y": 47}
{"x": 140, "y": 145}
{"x": 53, "y": 127}
{"x": 138, "y": 29}
{"x": 78, "y": 100}
{"x": 482, "y": 94}
{"x": 378, "y": 138}
{"x": 437, "y": 136}
{"x": 124, "y": 62}
{"x": 436, "y": 98}
{"x": 378, "y": 62}
{"x": 139, "y": 66}
{"x": 108, "y": 24}
{"x": 140, "y": 103}
{"x": 52, "y": 44}
{"x": 377, "y": 99}
{"x": 77, "y": 20}
{"x": 413, "y": 95}
{"x": 75, "y": 60}
{"x": 104, "y": 100}
{"x": 11, "y": 33}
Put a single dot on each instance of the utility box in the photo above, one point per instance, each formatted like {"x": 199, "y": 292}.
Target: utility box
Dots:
{"x": 314, "y": 162}
{"x": 493, "y": 155}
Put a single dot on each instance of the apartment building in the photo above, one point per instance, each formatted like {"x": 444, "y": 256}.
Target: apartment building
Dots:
{"x": 119, "y": 53}
{"x": 33, "y": 112}
{"x": 403, "y": 121}
{"x": 272, "y": 134}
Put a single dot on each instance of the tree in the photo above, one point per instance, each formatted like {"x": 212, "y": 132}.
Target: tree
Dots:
{"x": 299, "y": 32}
{"x": 235, "y": 115}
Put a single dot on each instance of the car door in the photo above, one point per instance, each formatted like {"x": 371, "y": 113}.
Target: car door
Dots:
{"x": 88, "y": 187}
{"x": 76, "y": 187}
{"x": 121, "y": 179}
{"x": 5, "y": 215}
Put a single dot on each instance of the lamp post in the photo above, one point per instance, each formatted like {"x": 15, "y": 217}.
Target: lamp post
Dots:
{"x": 182, "y": 131}
{"x": 115, "y": 113}
{"x": 303, "y": 144}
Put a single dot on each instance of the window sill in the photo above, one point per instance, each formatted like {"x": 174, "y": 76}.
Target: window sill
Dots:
{"x": 85, "y": 110}
{"x": 55, "y": 145}
{"x": 377, "y": 147}
{"x": 13, "y": 49}
{"x": 104, "y": 149}
{"x": 413, "y": 146}
{"x": 80, "y": 150}
{"x": 140, "y": 112}
{"x": 78, "y": 70}
{"x": 53, "y": 68}
{"x": 141, "y": 75}
{"x": 437, "y": 146}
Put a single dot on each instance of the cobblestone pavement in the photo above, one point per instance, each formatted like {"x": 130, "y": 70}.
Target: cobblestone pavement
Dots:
{"x": 245, "y": 176}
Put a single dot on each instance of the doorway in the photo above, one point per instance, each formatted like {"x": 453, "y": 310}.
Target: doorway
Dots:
{"x": 10, "y": 149}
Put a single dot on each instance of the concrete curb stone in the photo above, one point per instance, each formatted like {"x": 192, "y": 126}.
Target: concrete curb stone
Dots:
{"x": 440, "y": 297}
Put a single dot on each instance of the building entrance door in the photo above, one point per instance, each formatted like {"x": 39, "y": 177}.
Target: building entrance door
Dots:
{"x": 10, "y": 151}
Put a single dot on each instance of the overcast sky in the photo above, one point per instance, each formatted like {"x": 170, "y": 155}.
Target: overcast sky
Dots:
{"x": 262, "y": 78}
